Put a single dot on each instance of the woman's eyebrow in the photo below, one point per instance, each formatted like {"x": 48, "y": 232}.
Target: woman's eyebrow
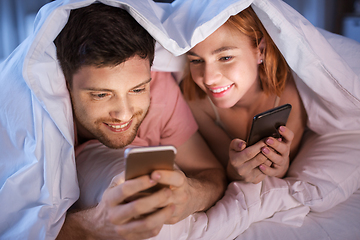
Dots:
{"x": 191, "y": 53}
{"x": 221, "y": 49}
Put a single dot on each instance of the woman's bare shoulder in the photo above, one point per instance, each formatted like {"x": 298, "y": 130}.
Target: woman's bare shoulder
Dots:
{"x": 201, "y": 106}
{"x": 291, "y": 95}
{"x": 298, "y": 118}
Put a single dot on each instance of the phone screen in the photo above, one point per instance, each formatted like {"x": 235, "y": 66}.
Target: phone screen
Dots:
{"x": 266, "y": 124}
{"x": 142, "y": 161}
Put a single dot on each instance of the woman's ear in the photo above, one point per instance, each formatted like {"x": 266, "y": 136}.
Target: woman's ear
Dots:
{"x": 261, "y": 48}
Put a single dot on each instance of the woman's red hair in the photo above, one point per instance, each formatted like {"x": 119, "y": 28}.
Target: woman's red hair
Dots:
{"x": 274, "y": 70}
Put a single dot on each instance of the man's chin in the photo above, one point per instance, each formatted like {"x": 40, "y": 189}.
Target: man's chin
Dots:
{"x": 113, "y": 145}
{"x": 116, "y": 144}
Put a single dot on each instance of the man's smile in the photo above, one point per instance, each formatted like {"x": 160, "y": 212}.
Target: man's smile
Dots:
{"x": 120, "y": 127}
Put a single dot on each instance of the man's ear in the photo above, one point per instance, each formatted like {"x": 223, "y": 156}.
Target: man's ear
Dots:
{"x": 68, "y": 85}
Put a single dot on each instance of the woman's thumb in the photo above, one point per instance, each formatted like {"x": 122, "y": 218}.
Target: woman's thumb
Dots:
{"x": 237, "y": 145}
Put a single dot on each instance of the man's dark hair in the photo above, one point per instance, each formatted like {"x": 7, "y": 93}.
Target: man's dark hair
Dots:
{"x": 100, "y": 35}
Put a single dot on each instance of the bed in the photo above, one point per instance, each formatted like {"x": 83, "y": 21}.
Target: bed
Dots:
{"x": 339, "y": 222}
{"x": 257, "y": 211}
{"x": 319, "y": 199}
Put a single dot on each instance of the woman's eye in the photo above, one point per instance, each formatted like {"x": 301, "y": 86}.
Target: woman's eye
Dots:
{"x": 195, "y": 61}
{"x": 227, "y": 58}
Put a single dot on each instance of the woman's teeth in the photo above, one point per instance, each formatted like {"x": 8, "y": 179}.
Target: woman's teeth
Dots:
{"x": 219, "y": 90}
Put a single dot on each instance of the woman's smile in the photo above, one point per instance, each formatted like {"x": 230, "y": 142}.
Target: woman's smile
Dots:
{"x": 220, "y": 91}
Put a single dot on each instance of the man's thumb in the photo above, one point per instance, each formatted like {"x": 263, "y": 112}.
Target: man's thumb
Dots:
{"x": 117, "y": 180}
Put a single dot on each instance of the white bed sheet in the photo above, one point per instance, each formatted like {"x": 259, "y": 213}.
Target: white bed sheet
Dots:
{"x": 342, "y": 222}
{"x": 328, "y": 168}
{"x": 30, "y": 157}
{"x": 270, "y": 206}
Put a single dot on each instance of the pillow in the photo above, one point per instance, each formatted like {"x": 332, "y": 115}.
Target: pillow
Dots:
{"x": 326, "y": 170}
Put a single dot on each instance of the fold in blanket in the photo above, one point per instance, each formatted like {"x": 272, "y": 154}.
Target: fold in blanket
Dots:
{"x": 37, "y": 155}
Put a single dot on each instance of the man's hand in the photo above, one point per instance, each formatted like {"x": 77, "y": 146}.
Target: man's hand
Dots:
{"x": 112, "y": 218}
{"x": 182, "y": 193}
{"x": 201, "y": 182}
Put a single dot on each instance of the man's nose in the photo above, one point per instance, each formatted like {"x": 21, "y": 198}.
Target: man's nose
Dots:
{"x": 121, "y": 109}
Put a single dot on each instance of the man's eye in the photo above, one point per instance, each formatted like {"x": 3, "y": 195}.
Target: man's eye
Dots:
{"x": 138, "y": 90}
{"x": 99, "y": 95}
{"x": 227, "y": 58}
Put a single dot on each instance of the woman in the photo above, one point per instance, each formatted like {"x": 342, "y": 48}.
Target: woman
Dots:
{"x": 234, "y": 74}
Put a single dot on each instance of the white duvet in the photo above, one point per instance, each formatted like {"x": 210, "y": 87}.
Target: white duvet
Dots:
{"x": 38, "y": 180}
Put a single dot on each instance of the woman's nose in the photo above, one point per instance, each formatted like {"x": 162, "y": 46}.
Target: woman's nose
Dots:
{"x": 211, "y": 74}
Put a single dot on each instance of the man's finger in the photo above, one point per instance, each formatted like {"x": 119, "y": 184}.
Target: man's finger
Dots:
{"x": 148, "y": 226}
{"x": 132, "y": 210}
{"x": 173, "y": 178}
{"x": 116, "y": 194}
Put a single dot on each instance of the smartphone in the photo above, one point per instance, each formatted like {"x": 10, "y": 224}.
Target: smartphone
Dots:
{"x": 144, "y": 160}
{"x": 266, "y": 124}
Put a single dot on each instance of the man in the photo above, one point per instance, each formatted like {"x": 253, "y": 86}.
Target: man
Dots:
{"x": 107, "y": 68}
{"x": 105, "y": 56}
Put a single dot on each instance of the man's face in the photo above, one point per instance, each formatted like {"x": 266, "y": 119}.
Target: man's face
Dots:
{"x": 110, "y": 102}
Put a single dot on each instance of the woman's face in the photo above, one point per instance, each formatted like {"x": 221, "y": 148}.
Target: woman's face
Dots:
{"x": 225, "y": 66}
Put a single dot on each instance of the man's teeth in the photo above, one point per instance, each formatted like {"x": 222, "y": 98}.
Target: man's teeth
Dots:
{"x": 219, "y": 90}
{"x": 119, "y": 126}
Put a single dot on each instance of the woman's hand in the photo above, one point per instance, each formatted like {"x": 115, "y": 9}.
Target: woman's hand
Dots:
{"x": 244, "y": 161}
{"x": 269, "y": 157}
{"x": 277, "y": 151}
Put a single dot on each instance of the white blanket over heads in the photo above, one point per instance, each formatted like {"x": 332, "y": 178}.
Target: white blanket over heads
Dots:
{"x": 38, "y": 181}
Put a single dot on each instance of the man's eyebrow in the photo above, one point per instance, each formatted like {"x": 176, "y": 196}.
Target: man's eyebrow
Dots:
{"x": 222, "y": 49}
{"x": 109, "y": 90}
{"x": 143, "y": 83}
{"x": 97, "y": 89}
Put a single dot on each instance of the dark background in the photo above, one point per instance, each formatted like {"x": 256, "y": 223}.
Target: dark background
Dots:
{"x": 337, "y": 16}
